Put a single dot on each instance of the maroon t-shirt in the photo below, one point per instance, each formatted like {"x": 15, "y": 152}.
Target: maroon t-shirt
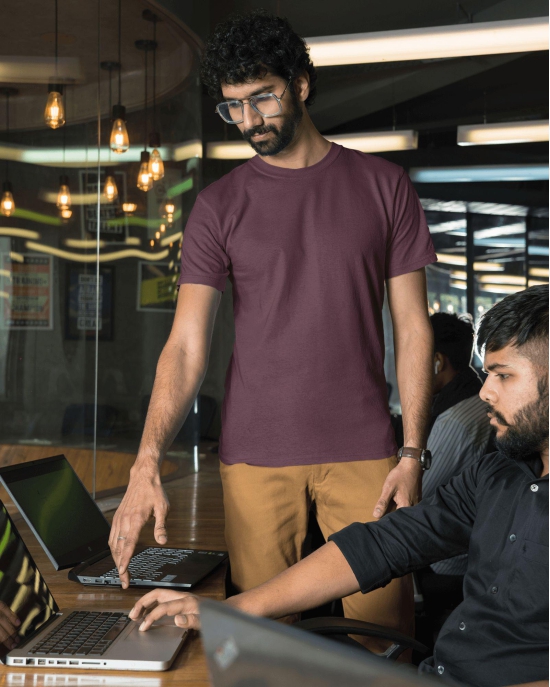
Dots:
{"x": 307, "y": 251}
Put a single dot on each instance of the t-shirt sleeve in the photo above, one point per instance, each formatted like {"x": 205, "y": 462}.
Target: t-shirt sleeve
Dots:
{"x": 409, "y": 245}
{"x": 203, "y": 258}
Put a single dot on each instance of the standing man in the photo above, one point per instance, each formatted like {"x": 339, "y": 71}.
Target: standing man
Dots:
{"x": 308, "y": 233}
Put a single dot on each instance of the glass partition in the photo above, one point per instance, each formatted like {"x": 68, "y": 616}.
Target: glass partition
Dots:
{"x": 88, "y": 261}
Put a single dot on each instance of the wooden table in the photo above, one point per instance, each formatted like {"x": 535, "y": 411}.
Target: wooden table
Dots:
{"x": 195, "y": 521}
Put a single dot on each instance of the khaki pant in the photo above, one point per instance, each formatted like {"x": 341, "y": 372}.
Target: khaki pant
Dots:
{"x": 266, "y": 517}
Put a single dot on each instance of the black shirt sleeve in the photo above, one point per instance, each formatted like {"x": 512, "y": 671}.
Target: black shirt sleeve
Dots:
{"x": 411, "y": 538}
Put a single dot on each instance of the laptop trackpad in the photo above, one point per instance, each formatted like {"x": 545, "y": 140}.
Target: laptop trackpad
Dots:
{"x": 158, "y": 643}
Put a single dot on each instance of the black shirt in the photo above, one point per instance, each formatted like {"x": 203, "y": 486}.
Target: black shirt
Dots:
{"x": 497, "y": 512}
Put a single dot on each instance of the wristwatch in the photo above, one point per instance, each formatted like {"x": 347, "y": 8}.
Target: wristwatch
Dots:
{"x": 422, "y": 455}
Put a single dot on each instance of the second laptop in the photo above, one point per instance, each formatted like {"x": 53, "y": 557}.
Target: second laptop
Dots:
{"x": 73, "y": 531}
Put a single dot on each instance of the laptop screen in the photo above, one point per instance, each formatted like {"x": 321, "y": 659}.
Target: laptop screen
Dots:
{"x": 22, "y": 587}
{"x": 58, "y": 508}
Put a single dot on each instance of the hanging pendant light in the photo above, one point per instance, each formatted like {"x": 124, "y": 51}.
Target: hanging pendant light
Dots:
{"x": 64, "y": 193}
{"x": 54, "y": 114}
{"x": 156, "y": 165}
{"x": 7, "y": 203}
{"x": 120, "y": 141}
{"x": 145, "y": 179}
{"x": 110, "y": 189}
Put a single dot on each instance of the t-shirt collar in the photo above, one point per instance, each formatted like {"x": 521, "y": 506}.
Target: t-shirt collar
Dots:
{"x": 303, "y": 172}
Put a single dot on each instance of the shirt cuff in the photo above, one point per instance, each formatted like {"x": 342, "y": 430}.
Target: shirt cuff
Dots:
{"x": 363, "y": 555}
{"x": 215, "y": 280}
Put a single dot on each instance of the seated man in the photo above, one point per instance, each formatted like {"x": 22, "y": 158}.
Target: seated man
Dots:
{"x": 496, "y": 510}
{"x": 459, "y": 436}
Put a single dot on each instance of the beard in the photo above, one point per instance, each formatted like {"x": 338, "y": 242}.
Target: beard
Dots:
{"x": 527, "y": 433}
{"x": 282, "y": 137}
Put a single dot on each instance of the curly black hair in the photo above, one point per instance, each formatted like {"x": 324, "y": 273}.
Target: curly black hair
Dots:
{"x": 454, "y": 337}
{"x": 246, "y": 47}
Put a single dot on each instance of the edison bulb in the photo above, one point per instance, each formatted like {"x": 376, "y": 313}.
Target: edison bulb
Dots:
{"x": 110, "y": 189}
{"x": 64, "y": 197}
{"x": 128, "y": 208}
{"x": 170, "y": 208}
{"x": 66, "y": 214}
{"x": 54, "y": 114}
{"x": 7, "y": 204}
{"x": 120, "y": 142}
{"x": 145, "y": 181}
{"x": 156, "y": 165}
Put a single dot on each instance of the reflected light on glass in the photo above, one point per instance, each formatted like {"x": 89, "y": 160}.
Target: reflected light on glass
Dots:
{"x": 7, "y": 203}
{"x": 64, "y": 194}
{"x": 458, "y": 285}
{"x": 502, "y": 279}
{"x": 450, "y": 308}
{"x": 446, "y": 175}
{"x": 66, "y": 213}
{"x": 110, "y": 189}
{"x": 128, "y": 208}
{"x": 54, "y": 114}
{"x": 156, "y": 165}
{"x": 501, "y": 288}
{"x": 144, "y": 181}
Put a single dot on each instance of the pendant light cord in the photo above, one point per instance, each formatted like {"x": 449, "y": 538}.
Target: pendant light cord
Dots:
{"x": 145, "y": 108}
{"x": 155, "y": 75}
{"x": 56, "y": 39}
{"x": 119, "y": 52}
{"x": 7, "y": 133}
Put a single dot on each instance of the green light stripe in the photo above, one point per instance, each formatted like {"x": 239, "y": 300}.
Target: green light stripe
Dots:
{"x": 182, "y": 187}
{"x": 5, "y": 537}
{"x": 37, "y": 217}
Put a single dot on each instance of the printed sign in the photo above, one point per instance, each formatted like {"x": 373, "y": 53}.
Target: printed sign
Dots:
{"x": 26, "y": 289}
{"x": 85, "y": 300}
{"x": 157, "y": 287}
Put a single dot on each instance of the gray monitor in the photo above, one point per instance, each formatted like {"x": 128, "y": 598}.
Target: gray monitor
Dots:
{"x": 243, "y": 651}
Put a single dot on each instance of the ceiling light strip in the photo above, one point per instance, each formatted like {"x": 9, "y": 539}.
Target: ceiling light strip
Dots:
{"x": 460, "y": 40}
{"x": 507, "y": 132}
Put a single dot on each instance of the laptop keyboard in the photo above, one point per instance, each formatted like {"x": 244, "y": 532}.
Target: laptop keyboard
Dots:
{"x": 82, "y": 633}
{"x": 150, "y": 564}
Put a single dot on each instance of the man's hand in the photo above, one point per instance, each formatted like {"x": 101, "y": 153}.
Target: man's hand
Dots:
{"x": 403, "y": 486}
{"x": 9, "y": 623}
{"x": 160, "y": 602}
{"x": 144, "y": 497}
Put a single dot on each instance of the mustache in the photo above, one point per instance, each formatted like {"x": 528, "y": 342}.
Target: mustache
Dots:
{"x": 498, "y": 416}
{"x": 261, "y": 129}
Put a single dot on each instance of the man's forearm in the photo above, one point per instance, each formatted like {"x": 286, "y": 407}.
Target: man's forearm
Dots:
{"x": 177, "y": 382}
{"x": 321, "y": 577}
{"x": 413, "y": 362}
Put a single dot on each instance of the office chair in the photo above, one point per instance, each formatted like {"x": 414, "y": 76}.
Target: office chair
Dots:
{"x": 339, "y": 630}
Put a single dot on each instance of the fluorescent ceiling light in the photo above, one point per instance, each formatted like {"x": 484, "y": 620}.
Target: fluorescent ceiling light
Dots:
{"x": 450, "y": 226}
{"x": 187, "y": 150}
{"x": 132, "y": 241}
{"x": 507, "y": 230}
{"x": 538, "y": 271}
{"x": 378, "y": 141}
{"x": 76, "y": 198}
{"x": 447, "y": 259}
{"x": 502, "y": 288}
{"x": 445, "y": 175}
{"x": 502, "y": 279}
{"x": 167, "y": 240}
{"x": 458, "y": 284}
{"x": 370, "y": 142}
{"x": 510, "y": 132}
{"x": 15, "y": 69}
{"x": 533, "y": 282}
{"x": 458, "y": 274}
{"x": 460, "y": 40}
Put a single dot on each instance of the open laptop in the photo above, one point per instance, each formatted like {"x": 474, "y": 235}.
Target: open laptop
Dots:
{"x": 73, "y": 531}
{"x": 242, "y": 650}
{"x": 88, "y": 639}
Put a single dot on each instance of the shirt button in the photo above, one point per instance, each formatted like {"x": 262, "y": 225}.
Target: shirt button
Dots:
{"x": 440, "y": 670}
{"x": 512, "y": 537}
{"x": 534, "y": 487}
{"x": 462, "y": 626}
{"x": 494, "y": 589}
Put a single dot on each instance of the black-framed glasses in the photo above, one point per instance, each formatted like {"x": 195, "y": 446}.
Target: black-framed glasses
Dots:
{"x": 265, "y": 104}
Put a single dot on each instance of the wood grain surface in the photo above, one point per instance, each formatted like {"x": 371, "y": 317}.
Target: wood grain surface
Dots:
{"x": 195, "y": 521}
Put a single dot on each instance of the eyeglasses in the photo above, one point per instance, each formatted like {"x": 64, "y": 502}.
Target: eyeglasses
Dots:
{"x": 265, "y": 104}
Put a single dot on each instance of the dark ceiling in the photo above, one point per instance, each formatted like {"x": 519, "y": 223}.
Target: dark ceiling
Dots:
{"x": 432, "y": 97}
